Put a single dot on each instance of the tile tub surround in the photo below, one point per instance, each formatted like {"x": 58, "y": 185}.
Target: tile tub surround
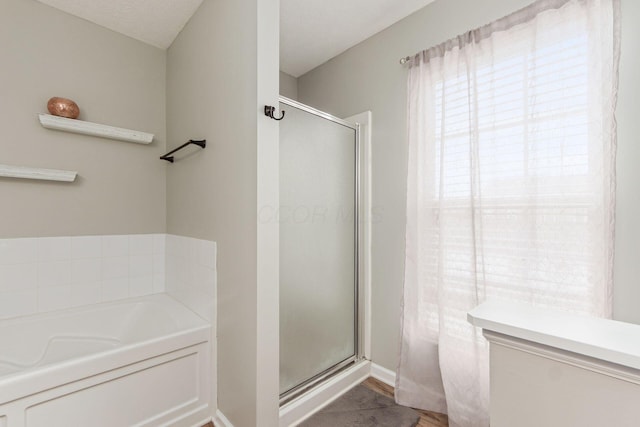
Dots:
{"x": 191, "y": 274}
{"x": 45, "y": 274}
{"x": 191, "y": 279}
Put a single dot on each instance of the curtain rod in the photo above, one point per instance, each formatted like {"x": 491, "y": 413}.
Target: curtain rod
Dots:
{"x": 404, "y": 60}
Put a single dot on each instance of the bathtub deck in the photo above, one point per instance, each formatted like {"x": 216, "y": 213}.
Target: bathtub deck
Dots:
{"x": 57, "y": 369}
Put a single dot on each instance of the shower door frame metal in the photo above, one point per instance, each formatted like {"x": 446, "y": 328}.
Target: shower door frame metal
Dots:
{"x": 305, "y": 386}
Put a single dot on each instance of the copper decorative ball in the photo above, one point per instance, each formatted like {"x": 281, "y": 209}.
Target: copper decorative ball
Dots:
{"x": 63, "y": 107}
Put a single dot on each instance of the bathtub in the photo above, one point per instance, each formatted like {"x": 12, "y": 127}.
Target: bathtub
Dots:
{"x": 138, "y": 362}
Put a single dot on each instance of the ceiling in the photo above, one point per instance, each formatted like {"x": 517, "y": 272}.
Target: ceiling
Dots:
{"x": 156, "y": 22}
{"x": 311, "y": 31}
{"x": 314, "y": 31}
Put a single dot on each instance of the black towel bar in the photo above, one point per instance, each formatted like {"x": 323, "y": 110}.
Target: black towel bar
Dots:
{"x": 169, "y": 158}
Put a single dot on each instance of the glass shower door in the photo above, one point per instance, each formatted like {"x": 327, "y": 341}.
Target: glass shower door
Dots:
{"x": 318, "y": 245}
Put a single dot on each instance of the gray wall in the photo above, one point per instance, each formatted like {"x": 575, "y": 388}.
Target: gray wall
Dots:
{"x": 288, "y": 86}
{"x": 368, "y": 77}
{"x": 116, "y": 81}
{"x": 626, "y": 291}
{"x": 212, "y": 92}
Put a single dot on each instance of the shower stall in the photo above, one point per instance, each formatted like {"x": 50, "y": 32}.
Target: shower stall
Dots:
{"x": 319, "y": 216}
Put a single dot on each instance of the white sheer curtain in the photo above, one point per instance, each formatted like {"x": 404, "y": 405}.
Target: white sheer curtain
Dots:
{"x": 510, "y": 189}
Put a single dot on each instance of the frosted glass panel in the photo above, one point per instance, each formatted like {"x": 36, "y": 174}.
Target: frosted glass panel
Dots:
{"x": 317, "y": 245}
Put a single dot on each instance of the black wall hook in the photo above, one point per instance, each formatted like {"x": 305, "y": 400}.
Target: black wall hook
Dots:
{"x": 269, "y": 111}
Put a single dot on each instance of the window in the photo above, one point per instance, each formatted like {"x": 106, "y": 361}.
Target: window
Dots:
{"x": 510, "y": 188}
{"x": 530, "y": 190}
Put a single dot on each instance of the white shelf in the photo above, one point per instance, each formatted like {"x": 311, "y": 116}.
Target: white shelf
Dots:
{"x": 94, "y": 129}
{"x": 37, "y": 173}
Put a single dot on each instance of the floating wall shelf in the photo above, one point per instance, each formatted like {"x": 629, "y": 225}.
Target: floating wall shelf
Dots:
{"x": 37, "y": 173}
{"x": 94, "y": 129}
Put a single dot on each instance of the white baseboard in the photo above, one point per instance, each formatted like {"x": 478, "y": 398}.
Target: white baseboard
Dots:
{"x": 311, "y": 402}
{"x": 385, "y": 375}
{"x": 220, "y": 420}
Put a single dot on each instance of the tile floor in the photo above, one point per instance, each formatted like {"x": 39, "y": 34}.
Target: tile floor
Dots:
{"x": 427, "y": 419}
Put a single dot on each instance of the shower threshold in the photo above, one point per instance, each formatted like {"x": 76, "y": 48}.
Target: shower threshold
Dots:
{"x": 302, "y": 388}
{"x": 325, "y": 390}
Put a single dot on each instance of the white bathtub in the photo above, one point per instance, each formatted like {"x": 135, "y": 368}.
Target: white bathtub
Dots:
{"x": 142, "y": 362}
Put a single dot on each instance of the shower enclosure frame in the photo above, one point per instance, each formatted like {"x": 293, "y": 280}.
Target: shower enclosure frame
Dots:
{"x": 359, "y": 313}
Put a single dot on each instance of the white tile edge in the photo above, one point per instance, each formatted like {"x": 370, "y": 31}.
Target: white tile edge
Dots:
{"x": 298, "y": 410}
{"x": 383, "y": 374}
{"x": 94, "y": 129}
{"x": 220, "y": 420}
{"x": 25, "y": 172}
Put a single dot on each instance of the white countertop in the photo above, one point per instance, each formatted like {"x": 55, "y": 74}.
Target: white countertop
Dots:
{"x": 608, "y": 340}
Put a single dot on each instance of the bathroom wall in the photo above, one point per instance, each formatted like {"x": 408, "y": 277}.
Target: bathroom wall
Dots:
{"x": 626, "y": 292}
{"x": 115, "y": 80}
{"x": 218, "y": 80}
{"x": 288, "y": 86}
{"x": 369, "y": 77}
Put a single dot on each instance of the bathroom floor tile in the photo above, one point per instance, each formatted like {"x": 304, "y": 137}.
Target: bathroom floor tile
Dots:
{"x": 427, "y": 419}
